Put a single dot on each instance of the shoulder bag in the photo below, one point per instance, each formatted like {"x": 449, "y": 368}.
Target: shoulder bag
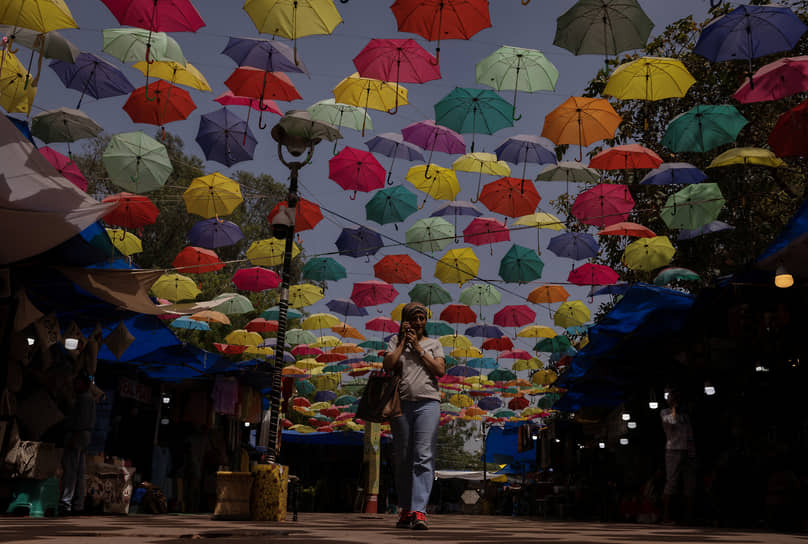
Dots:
{"x": 380, "y": 400}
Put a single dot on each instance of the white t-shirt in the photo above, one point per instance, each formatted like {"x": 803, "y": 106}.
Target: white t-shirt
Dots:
{"x": 678, "y": 430}
{"x": 417, "y": 383}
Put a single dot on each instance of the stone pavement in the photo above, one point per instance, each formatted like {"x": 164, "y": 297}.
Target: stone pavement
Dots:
{"x": 360, "y": 528}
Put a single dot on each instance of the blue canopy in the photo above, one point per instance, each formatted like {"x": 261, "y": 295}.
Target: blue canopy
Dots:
{"x": 502, "y": 445}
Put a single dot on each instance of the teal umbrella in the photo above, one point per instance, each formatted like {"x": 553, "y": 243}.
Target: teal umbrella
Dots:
{"x": 304, "y": 387}
{"x": 603, "y": 27}
{"x": 373, "y": 358}
{"x": 274, "y": 312}
{"x": 438, "y": 328}
{"x": 547, "y": 400}
{"x": 429, "y": 294}
{"x": 480, "y": 294}
{"x": 669, "y": 275}
{"x": 450, "y": 361}
{"x": 703, "y": 128}
{"x": 692, "y": 207}
{"x": 344, "y": 400}
{"x": 373, "y": 344}
{"x": 517, "y": 69}
{"x": 482, "y": 362}
{"x": 339, "y": 367}
{"x": 504, "y": 413}
{"x": 554, "y": 344}
{"x": 473, "y": 111}
{"x": 323, "y": 269}
{"x": 391, "y": 205}
{"x": 299, "y": 336}
{"x": 186, "y": 322}
{"x": 136, "y": 162}
{"x": 501, "y": 375}
{"x": 234, "y": 305}
{"x": 520, "y": 264}
{"x": 429, "y": 234}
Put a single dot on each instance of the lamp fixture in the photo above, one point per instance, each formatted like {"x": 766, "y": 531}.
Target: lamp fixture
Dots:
{"x": 71, "y": 343}
{"x": 782, "y": 278}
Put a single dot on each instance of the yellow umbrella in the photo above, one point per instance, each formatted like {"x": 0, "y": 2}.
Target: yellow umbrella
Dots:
{"x": 527, "y": 364}
{"x": 648, "y": 253}
{"x": 571, "y": 314}
{"x": 243, "y": 337}
{"x": 396, "y": 313}
{"x": 125, "y": 242}
{"x": 319, "y": 321}
{"x": 481, "y": 163}
{"x": 303, "y": 429}
{"x": 327, "y": 341}
{"x": 649, "y": 78}
{"x": 175, "y": 73}
{"x": 536, "y": 331}
{"x": 39, "y": 15}
{"x": 544, "y": 377}
{"x": 212, "y": 196}
{"x": 309, "y": 363}
{"x": 461, "y": 401}
{"x": 745, "y": 156}
{"x": 269, "y": 252}
{"x": 304, "y": 294}
{"x": 457, "y": 266}
{"x": 436, "y": 181}
{"x": 325, "y": 382}
{"x": 256, "y": 350}
{"x": 347, "y": 331}
{"x": 532, "y": 411}
{"x": 211, "y": 316}
{"x": 175, "y": 287}
{"x": 15, "y": 96}
{"x": 455, "y": 341}
{"x": 365, "y": 92}
{"x": 540, "y": 220}
{"x": 466, "y": 352}
{"x": 347, "y": 347}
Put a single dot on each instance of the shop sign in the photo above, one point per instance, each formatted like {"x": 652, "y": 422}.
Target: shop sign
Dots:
{"x": 132, "y": 389}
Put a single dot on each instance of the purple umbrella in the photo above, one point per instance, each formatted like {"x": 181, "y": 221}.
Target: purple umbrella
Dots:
{"x": 214, "y": 232}
{"x": 712, "y": 226}
{"x": 574, "y": 245}
{"x": 270, "y": 56}
{"x": 489, "y": 403}
{"x": 455, "y": 208}
{"x": 225, "y": 137}
{"x": 484, "y": 331}
{"x": 359, "y": 242}
{"x": 525, "y": 148}
{"x": 392, "y": 144}
{"x": 433, "y": 137}
{"x": 324, "y": 396}
{"x": 345, "y": 307}
{"x": 674, "y": 173}
{"x": 463, "y": 370}
{"x": 93, "y": 76}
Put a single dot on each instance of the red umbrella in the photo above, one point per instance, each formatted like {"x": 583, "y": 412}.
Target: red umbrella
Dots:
{"x": 330, "y": 357}
{"x": 308, "y": 214}
{"x": 485, "y": 230}
{"x": 514, "y": 354}
{"x": 627, "y": 228}
{"x": 256, "y": 279}
{"x": 356, "y": 170}
{"x": 624, "y": 157}
{"x": 157, "y": 15}
{"x": 517, "y": 403}
{"x": 397, "y": 269}
{"x": 382, "y": 324}
{"x": 789, "y": 137}
{"x": 229, "y": 349}
{"x": 303, "y": 350}
{"x": 197, "y": 260}
{"x": 373, "y": 292}
{"x": 593, "y": 274}
{"x": 498, "y": 344}
{"x": 603, "y": 205}
{"x": 514, "y": 316}
{"x": 256, "y": 83}
{"x": 159, "y": 103}
{"x": 442, "y": 19}
{"x": 259, "y": 324}
{"x": 510, "y": 196}
{"x": 133, "y": 212}
{"x": 458, "y": 313}
{"x": 229, "y": 99}
{"x": 66, "y": 167}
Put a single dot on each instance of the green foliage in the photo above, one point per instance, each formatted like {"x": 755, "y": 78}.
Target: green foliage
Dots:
{"x": 453, "y": 439}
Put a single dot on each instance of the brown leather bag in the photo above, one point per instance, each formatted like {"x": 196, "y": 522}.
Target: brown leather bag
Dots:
{"x": 380, "y": 400}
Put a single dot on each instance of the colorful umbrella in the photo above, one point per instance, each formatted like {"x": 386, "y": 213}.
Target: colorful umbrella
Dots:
{"x": 480, "y": 294}
{"x": 382, "y": 324}
{"x": 520, "y": 265}
{"x": 175, "y": 73}
{"x": 510, "y": 197}
{"x": 243, "y": 337}
{"x": 63, "y": 125}
{"x": 397, "y": 269}
{"x": 319, "y": 321}
{"x": 473, "y": 110}
{"x": 552, "y": 345}
{"x": 269, "y": 252}
{"x": 233, "y": 304}
{"x": 648, "y": 253}
{"x": 175, "y": 287}
{"x": 370, "y": 93}
{"x": 186, "y": 322}
{"x": 347, "y": 331}
{"x": 712, "y": 226}
{"x": 345, "y": 307}
{"x": 788, "y": 137}
{"x": 455, "y": 341}
{"x": 525, "y": 148}
{"x": 392, "y": 144}
{"x": 274, "y": 313}
{"x": 627, "y": 229}
{"x": 66, "y": 167}
{"x": 136, "y": 162}
{"x": 429, "y": 294}
{"x": 260, "y": 84}
{"x": 574, "y": 245}
{"x": 166, "y": 104}
{"x": 356, "y": 170}
{"x": 514, "y": 315}
{"x": 481, "y": 163}
{"x": 307, "y": 214}
{"x": 458, "y": 313}
{"x": 256, "y": 279}
{"x": 674, "y": 173}
{"x": 485, "y": 230}
{"x": 603, "y": 27}
{"x": 649, "y": 78}
{"x": 567, "y": 172}
{"x": 540, "y": 220}
{"x": 442, "y": 184}
{"x": 229, "y": 99}
{"x": 225, "y": 138}
{"x": 497, "y": 344}
{"x": 212, "y": 196}
{"x": 340, "y": 115}
{"x": 197, "y": 260}
{"x": 592, "y": 274}
{"x": 304, "y": 295}
{"x": 430, "y": 136}
{"x": 93, "y": 76}
{"x": 779, "y": 79}
{"x": 391, "y": 205}
{"x": 323, "y": 269}
{"x": 572, "y": 313}
{"x": 39, "y": 15}
{"x": 624, "y": 157}
{"x": 269, "y": 55}
{"x": 457, "y": 266}
{"x": 746, "y": 156}
{"x": 17, "y": 96}
{"x": 536, "y": 331}
{"x": 134, "y": 44}
{"x": 548, "y": 294}
{"x": 438, "y": 328}
{"x": 133, "y": 211}
{"x": 125, "y": 242}
{"x": 692, "y": 207}
{"x": 156, "y": 15}
{"x": 214, "y": 232}
{"x": 359, "y": 242}
{"x": 670, "y": 275}
{"x": 603, "y": 205}
{"x": 703, "y": 128}
{"x": 581, "y": 121}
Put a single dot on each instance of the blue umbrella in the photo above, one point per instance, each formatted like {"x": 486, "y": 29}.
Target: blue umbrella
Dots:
{"x": 326, "y": 396}
{"x": 455, "y": 208}
{"x": 93, "y": 76}
{"x": 345, "y": 307}
{"x": 185, "y": 322}
{"x": 482, "y": 362}
{"x": 674, "y": 173}
{"x": 574, "y": 245}
{"x": 392, "y": 144}
{"x": 489, "y": 403}
{"x": 525, "y": 148}
{"x": 359, "y": 242}
{"x": 484, "y": 331}
{"x": 22, "y": 126}
{"x": 225, "y": 137}
{"x": 712, "y": 226}
{"x": 214, "y": 232}
{"x": 270, "y": 56}
{"x": 463, "y": 371}
{"x": 615, "y": 289}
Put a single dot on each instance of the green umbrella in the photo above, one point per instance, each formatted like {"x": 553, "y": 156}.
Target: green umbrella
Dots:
{"x": 552, "y": 345}
{"x": 501, "y": 375}
{"x": 504, "y": 413}
{"x": 449, "y": 408}
{"x": 274, "y": 312}
{"x": 480, "y": 294}
{"x": 429, "y": 294}
{"x": 391, "y": 205}
{"x": 356, "y": 386}
{"x": 236, "y": 304}
{"x": 129, "y": 45}
{"x": 373, "y": 344}
{"x": 323, "y": 269}
{"x": 304, "y": 387}
{"x": 520, "y": 264}
{"x": 547, "y": 400}
{"x": 340, "y": 115}
{"x": 669, "y": 275}
{"x": 517, "y": 69}
{"x": 693, "y": 207}
{"x": 438, "y": 328}
{"x": 450, "y": 361}
{"x": 373, "y": 358}
{"x": 603, "y": 27}
{"x": 344, "y": 400}
{"x": 430, "y": 234}
{"x": 703, "y": 128}
{"x": 472, "y": 111}
{"x": 339, "y": 367}
{"x": 136, "y": 162}
{"x": 299, "y": 336}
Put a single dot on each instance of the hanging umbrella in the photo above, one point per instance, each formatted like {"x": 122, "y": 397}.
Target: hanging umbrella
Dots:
{"x": 481, "y": 163}
{"x": 648, "y": 254}
{"x": 457, "y": 266}
{"x": 131, "y": 45}
{"x": 269, "y": 252}
{"x": 391, "y": 205}
{"x": 536, "y": 331}
{"x": 623, "y": 157}
{"x": 501, "y": 375}
{"x": 480, "y": 294}
{"x": 603, "y": 205}
{"x": 347, "y": 331}
{"x": 186, "y": 322}
{"x": 703, "y": 128}
{"x": 649, "y": 78}
{"x": 133, "y": 211}
{"x": 356, "y": 170}
{"x": 92, "y": 76}
{"x": 540, "y": 220}
{"x": 572, "y": 313}
{"x": 627, "y": 229}
{"x": 67, "y": 168}
{"x": 455, "y": 341}
{"x": 619, "y": 288}
{"x": 233, "y": 304}
{"x": 670, "y": 275}
{"x": 432, "y": 137}
{"x": 51, "y": 45}
{"x": 489, "y": 403}
{"x": 392, "y": 144}
{"x": 429, "y": 294}
{"x": 438, "y": 328}
{"x": 229, "y": 99}
{"x": 175, "y": 287}
{"x": 458, "y": 313}
{"x": 693, "y": 206}
{"x": 319, "y": 321}
{"x": 214, "y": 232}
{"x": 788, "y": 137}
{"x": 269, "y": 55}
{"x": 517, "y": 69}
{"x": 39, "y": 15}
{"x": 779, "y": 79}
{"x": 457, "y": 208}
{"x": 397, "y": 269}
{"x": 520, "y": 265}
{"x": 166, "y": 104}
{"x": 136, "y": 162}
{"x": 256, "y": 279}
{"x": 307, "y": 214}
{"x": 382, "y": 324}
{"x": 569, "y": 172}
{"x": 603, "y": 27}
{"x": 485, "y": 230}
{"x": 497, "y": 344}
{"x": 345, "y": 307}
{"x": 574, "y": 245}
{"x": 125, "y": 242}
{"x": 525, "y": 148}
{"x": 156, "y": 15}
{"x": 548, "y": 294}
{"x": 323, "y": 269}
{"x": 197, "y": 260}
{"x": 365, "y": 92}
{"x": 221, "y": 136}
{"x": 175, "y": 73}
{"x": 552, "y": 345}
{"x": 359, "y": 242}
{"x": 592, "y": 274}
{"x": 304, "y": 295}
{"x": 429, "y": 234}
{"x": 63, "y": 125}
{"x": 212, "y": 196}
{"x": 261, "y": 84}
{"x": 441, "y": 183}
{"x": 745, "y": 156}
{"x": 473, "y": 111}
{"x": 243, "y": 337}
{"x": 510, "y": 197}
{"x": 514, "y": 315}
{"x": 340, "y": 115}
{"x": 274, "y": 313}
{"x": 17, "y": 95}
{"x": 674, "y": 173}
{"x": 711, "y": 227}
{"x": 442, "y": 20}
{"x": 581, "y": 121}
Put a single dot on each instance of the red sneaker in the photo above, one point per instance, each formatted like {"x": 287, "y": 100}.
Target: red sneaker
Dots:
{"x": 419, "y": 522}
{"x": 405, "y": 519}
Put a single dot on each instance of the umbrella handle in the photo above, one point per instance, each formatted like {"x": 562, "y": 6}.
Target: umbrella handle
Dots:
{"x": 437, "y": 57}
{"x": 343, "y": 1}
{"x": 421, "y": 207}
{"x": 334, "y": 151}
{"x": 261, "y": 123}
{"x": 353, "y": 197}
{"x": 426, "y": 172}
{"x": 389, "y": 177}
{"x": 514, "y": 116}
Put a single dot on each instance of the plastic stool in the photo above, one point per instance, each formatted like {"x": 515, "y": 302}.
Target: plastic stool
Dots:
{"x": 40, "y": 497}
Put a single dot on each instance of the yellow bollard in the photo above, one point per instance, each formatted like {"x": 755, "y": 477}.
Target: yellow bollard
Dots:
{"x": 269, "y": 490}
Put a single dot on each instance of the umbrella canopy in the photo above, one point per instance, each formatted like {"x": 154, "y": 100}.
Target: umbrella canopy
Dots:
{"x": 51, "y": 45}
{"x": 458, "y": 313}
{"x": 673, "y": 274}
{"x": 136, "y": 162}
{"x": 480, "y": 294}
{"x": 649, "y": 78}
{"x": 63, "y": 125}
{"x": 592, "y": 274}
{"x": 396, "y": 60}
{"x": 431, "y": 136}
{"x": 347, "y": 331}
{"x": 159, "y": 103}
{"x": 540, "y": 220}
{"x": 345, "y": 307}
{"x": 269, "y": 252}
{"x": 429, "y": 294}
{"x": 436, "y": 181}
{"x": 214, "y": 232}
{"x": 627, "y": 229}
{"x": 319, "y": 321}
{"x": 712, "y": 226}
{"x": 225, "y": 138}
{"x": 514, "y": 315}
{"x": 536, "y": 331}
{"x": 125, "y": 242}
{"x": 457, "y": 266}
{"x": 93, "y": 76}
{"x": 603, "y": 27}
{"x": 392, "y": 144}
{"x": 623, "y": 157}
{"x": 17, "y": 96}
{"x": 304, "y": 294}
{"x": 260, "y": 84}
{"x": 157, "y": 15}
{"x": 438, "y": 328}
{"x": 574, "y": 245}
{"x": 473, "y": 111}
{"x": 603, "y": 205}
{"x": 340, "y": 115}
{"x": 397, "y": 269}
{"x": 356, "y": 170}
{"x": 581, "y": 121}
{"x": 186, "y": 322}
{"x": 274, "y": 313}
{"x": 175, "y": 73}
{"x": 66, "y": 167}
{"x": 391, "y": 205}
{"x": 571, "y": 313}
{"x": 212, "y": 196}
{"x": 481, "y": 163}
{"x": 39, "y": 15}
{"x": 455, "y": 341}
{"x": 674, "y": 173}
{"x": 788, "y": 137}
{"x": 359, "y": 242}
{"x": 307, "y": 214}
{"x": 323, "y": 269}
{"x": 648, "y": 253}
{"x": 501, "y": 375}
{"x": 243, "y": 337}
{"x": 548, "y": 294}
{"x": 269, "y": 55}
{"x": 511, "y": 197}
{"x": 485, "y": 230}
{"x": 382, "y": 324}
{"x": 497, "y": 344}
{"x": 568, "y": 171}
{"x": 525, "y": 148}
{"x": 256, "y": 279}
{"x": 197, "y": 260}
{"x": 227, "y": 98}
{"x": 692, "y": 207}
{"x": 175, "y": 287}
{"x": 233, "y": 304}
{"x": 552, "y": 345}
{"x": 520, "y": 264}
{"x": 133, "y": 211}
{"x": 703, "y": 128}
{"x": 745, "y": 156}
{"x": 293, "y": 20}
{"x": 779, "y": 79}
{"x": 369, "y": 93}
{"x": 133, "y": 44}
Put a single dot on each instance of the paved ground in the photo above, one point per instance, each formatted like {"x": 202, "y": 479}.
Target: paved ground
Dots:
{"x": 359, "y": 528}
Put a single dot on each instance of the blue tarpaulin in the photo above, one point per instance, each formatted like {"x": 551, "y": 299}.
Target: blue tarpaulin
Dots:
{"x": 502, "y": 445}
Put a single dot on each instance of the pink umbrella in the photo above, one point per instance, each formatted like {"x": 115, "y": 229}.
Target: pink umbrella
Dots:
{"x": 593, "y": 274}
{"x": 485, "y": 230}
{"x": 356, "y": 170}
{"x": 65, "y": 166}
{"x": 603, "y": 205}
{"x": 778, "y": 79}
{"x": 303, "y": 350}
{"x": 515, "y": 354}
{"x": 514, "y": 316}
{"x": 382, "y": 324}
{"x": 373, "y": 292}
{"x": 256, "y": 279}
{"x": 625, "y": 157}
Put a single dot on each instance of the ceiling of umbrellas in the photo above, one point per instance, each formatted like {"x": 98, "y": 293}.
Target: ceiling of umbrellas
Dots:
{"x": 499, "y": 355}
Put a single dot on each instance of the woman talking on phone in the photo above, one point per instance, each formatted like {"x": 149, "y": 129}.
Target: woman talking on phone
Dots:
{"x": 420, "y": 361}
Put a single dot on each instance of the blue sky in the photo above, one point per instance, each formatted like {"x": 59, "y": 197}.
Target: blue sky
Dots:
{"x": 329, "y": 60}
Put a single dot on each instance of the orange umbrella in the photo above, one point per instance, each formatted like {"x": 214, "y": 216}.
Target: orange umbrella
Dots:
{"x": 211, "y": 316}
{"x": 347, "y": 331}
{"x": 627, "y": 228}
{"x": 197, "y": 260}
{"x": 547, "y": 294}
{"x": 581, "y": 121}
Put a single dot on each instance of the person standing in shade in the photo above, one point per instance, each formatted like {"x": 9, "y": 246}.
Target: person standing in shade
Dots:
{"x": 680, "y": 456}
{"x": 420, "y": 361}
{"x": 79, "y": 426}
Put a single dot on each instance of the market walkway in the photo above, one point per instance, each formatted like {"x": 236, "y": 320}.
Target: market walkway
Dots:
{"x": 359, "y": 528}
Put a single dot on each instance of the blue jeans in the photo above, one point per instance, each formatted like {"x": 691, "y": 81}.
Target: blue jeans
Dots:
{"x": 414, "y": 443}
